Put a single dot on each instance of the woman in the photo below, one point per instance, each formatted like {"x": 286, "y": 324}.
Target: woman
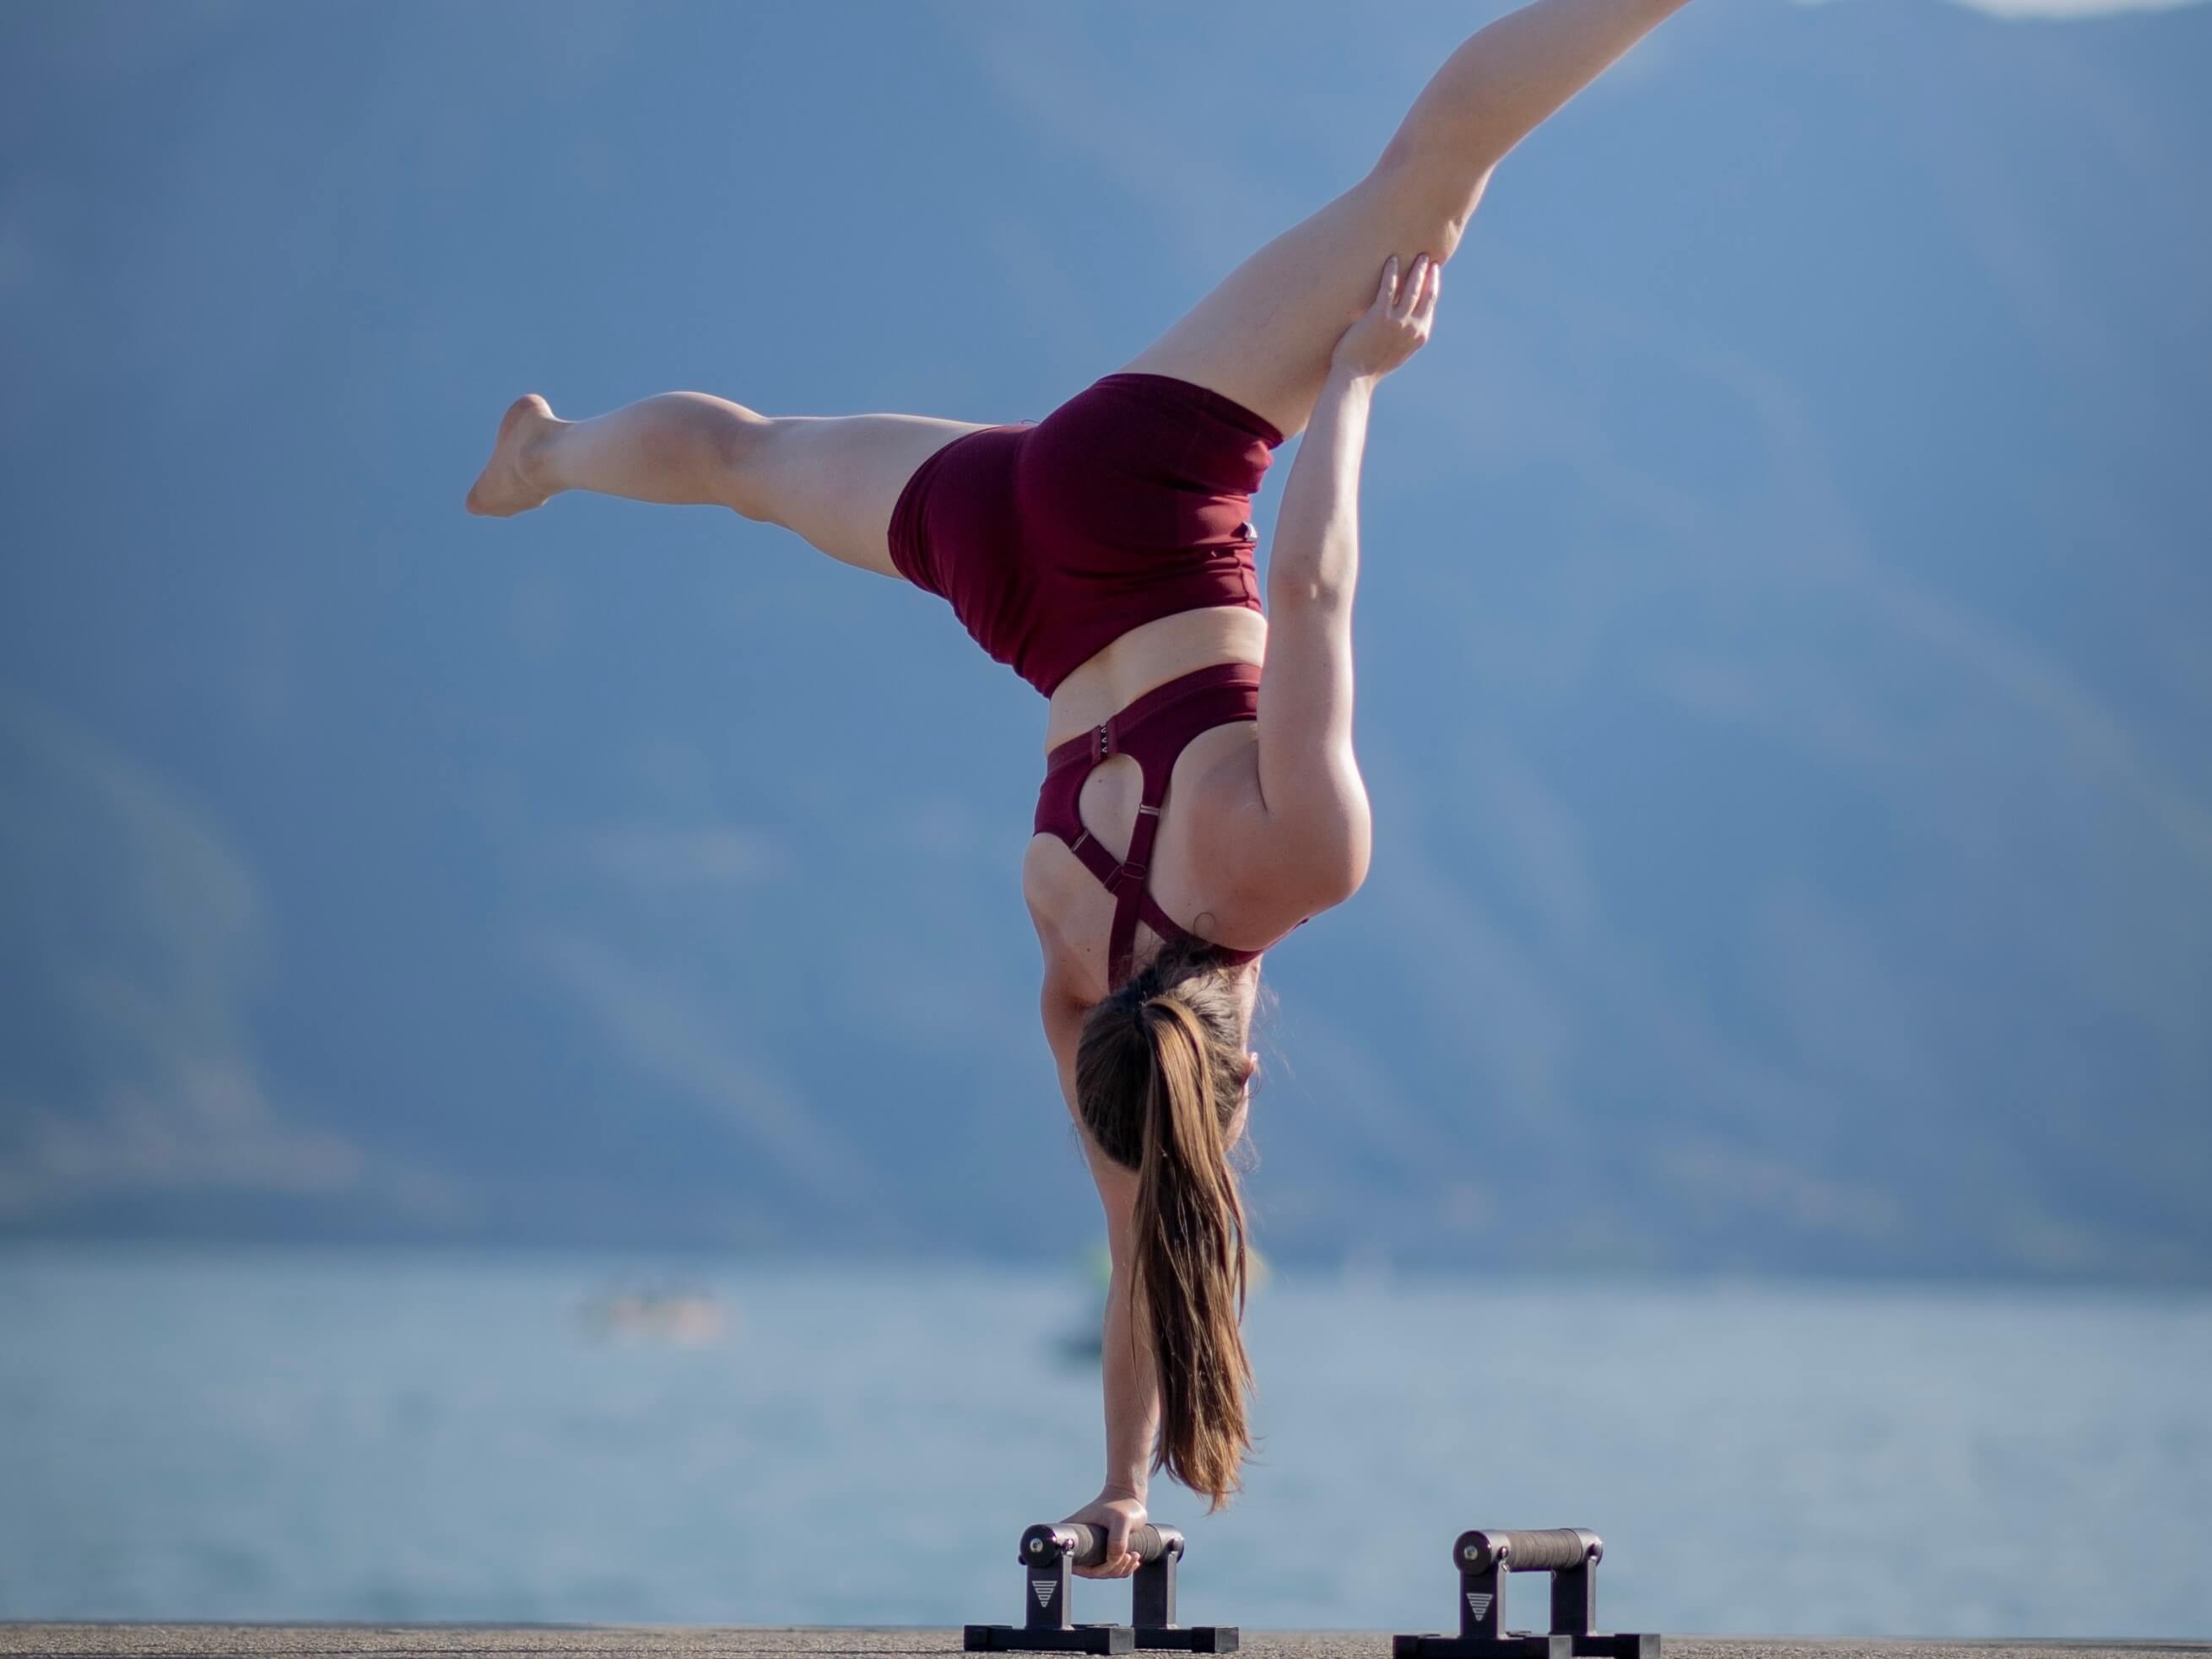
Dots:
{"x": 1105, "y": 554}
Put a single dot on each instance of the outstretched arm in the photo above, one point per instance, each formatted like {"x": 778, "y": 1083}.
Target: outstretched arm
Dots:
{"x": 1317, "y": 817}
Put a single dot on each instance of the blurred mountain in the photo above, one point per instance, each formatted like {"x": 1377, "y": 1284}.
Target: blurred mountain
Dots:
{"x": 1785, "y": 640}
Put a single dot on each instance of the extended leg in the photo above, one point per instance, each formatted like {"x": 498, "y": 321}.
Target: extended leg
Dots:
{"x": 1264, "y": 335}
{"x": 832, "y": 479}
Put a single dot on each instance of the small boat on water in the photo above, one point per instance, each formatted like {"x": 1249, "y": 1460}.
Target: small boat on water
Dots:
{"x": 1085, "y": 1341}
{"x": 677, "y": 1317}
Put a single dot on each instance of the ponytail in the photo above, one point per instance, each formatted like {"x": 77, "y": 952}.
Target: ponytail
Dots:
{"x": 1159, "y": 1077}
{"x": 1188, "y": 1283}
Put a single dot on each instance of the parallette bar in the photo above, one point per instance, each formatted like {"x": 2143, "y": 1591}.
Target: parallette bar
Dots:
{"x": 1549, "y": 1549}
{"x": 1086, "y": 1545}
{"x": 1485, "y": 1558}
{"x": 1050, "y": 1550}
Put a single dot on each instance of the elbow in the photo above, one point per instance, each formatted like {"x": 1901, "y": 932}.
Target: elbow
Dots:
{"x": 1316, "y": 592}
{"x": 1323, "y": 598}
{"x": 1315, "y": 567}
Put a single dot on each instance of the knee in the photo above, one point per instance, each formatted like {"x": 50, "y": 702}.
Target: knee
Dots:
{"x": 740, "y": 459}
{"x": 1426, "y": 198}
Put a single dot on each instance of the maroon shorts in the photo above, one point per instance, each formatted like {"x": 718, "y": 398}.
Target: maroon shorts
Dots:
{"x": 1051, "y": 539}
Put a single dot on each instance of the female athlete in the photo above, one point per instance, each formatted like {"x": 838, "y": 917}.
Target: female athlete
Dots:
{"x": 1194, "y": 808}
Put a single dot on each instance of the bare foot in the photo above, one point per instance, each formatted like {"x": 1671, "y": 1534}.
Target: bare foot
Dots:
{"x": 505, "y": 486}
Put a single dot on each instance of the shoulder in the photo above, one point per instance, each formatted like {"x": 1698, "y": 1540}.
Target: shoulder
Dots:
{"x": 1060, "y": 896}
{"x": 1062, "y": 1003}
{"x": 1273, "y": 864}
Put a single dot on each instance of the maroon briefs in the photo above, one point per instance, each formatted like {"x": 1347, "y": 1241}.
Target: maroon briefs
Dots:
{"x": 1051, "y": 539}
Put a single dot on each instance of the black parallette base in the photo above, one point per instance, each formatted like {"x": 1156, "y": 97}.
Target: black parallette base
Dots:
{"x": 1100, "y": 1639}
{"x": 1019, "y": 1638}
{"x": 1189, "y": 1638}
{"x": 1556, "y": 1646}
{"x": 1475, "y": 1647}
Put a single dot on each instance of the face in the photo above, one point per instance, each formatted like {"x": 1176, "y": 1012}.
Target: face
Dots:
{"x": 1243, "y": 1113}
{"x": 1247, "y": 999}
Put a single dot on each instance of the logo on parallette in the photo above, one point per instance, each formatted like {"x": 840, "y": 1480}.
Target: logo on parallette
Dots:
{"x": 1046, "y": 1588}
{"x": 1478, "y": 1604}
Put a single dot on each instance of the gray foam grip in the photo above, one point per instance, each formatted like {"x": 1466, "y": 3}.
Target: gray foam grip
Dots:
{"x": 1547, "y": 1550}
{"x": 1147, "y": 1542}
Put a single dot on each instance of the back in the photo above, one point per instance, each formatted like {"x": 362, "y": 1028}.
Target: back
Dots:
{"x": 1145, "y": 832}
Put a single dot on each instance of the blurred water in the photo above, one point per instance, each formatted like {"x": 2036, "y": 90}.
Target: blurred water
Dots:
{"x": 369, "y": 1437}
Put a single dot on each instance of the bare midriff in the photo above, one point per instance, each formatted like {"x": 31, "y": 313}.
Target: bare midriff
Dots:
{"x": 1152, "y": 653}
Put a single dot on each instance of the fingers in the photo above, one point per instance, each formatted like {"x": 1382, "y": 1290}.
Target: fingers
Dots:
{"x": 1425, "y": 297}
{"x": 1415, "y": 285}
{"x": 1115, "y": 1560}
{"x": 1424, "y": 307}
{"x": 1117, "y": 1544}
{"x": 1414, "y": 300}
{"x": 1386, "y": 297}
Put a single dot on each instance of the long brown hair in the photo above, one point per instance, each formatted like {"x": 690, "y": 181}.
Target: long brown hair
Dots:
{"x": 1159, "y": 1076}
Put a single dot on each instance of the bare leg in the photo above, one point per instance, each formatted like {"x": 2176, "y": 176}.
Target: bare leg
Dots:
{"x": 1263, "y": 336}
{"x": 832, "y": 479}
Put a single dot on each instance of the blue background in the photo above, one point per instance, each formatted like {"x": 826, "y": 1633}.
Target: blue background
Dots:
{"x": 1783, "y": 638}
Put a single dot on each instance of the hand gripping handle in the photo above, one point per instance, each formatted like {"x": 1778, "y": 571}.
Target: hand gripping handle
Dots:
{"x": 1086, "y": 1546}
{"x": 1552, "y": 1549}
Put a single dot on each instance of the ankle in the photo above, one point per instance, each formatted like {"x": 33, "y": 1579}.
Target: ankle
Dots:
{"x": 537, "y": 457}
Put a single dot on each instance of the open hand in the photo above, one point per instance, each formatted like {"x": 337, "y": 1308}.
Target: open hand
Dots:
{"x": 1396, "y": 325}
{"x": 1118, "y": 1516}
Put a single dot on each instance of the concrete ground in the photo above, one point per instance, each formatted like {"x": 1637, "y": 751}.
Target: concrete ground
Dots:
{"x": 26, "y": 1641}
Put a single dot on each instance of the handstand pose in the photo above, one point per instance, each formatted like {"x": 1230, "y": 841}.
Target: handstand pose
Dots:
{"x": 1105, "y": 554}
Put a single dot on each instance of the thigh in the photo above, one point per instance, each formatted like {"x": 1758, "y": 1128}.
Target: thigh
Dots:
{"x": 1264, "y": 335}
{"x": 834, "y": 479}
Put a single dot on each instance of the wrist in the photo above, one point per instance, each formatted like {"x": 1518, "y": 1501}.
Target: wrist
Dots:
{"x": 1344, "y": 379}
{"x": 1113, "y": 1491}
